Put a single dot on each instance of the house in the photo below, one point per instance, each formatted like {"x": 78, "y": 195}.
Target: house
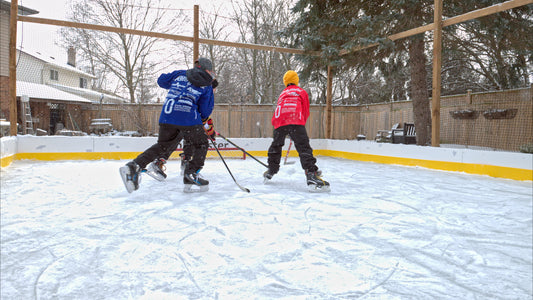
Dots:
{"x": 54, "y": 94}
{"x": 42, "y": 69}
{"x": 36, "y": 67}
{"x": 57, "y": 92}
{"x": 51, "y": 109}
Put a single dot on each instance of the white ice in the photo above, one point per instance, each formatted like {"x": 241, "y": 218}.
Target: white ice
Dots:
{"x": 69, "y": 230}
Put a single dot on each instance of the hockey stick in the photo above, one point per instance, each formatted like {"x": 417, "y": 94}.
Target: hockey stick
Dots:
{"x": 266, "y": 166}
{"x": 287, "y": 155}
{"x": 227, "y": 168}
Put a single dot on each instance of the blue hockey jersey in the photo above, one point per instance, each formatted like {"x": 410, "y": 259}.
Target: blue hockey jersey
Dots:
{"x": 186, "y": 104}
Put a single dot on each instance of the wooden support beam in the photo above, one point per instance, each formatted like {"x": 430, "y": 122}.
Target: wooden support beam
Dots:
{"x": 329, "y": 97}
{"x": 485, "y": 11}
{"x": 437, "y": 66}
{"x": 12, "y": 85}
{"x": 448, "y": 22}
{"x": 196, "y": 37}
{"x": 162, "y": 35}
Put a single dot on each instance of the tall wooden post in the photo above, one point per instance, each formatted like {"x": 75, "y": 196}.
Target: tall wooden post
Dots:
{"x": 329, "y": 97}
{"x": 12, "y": 94}
{"x": 196, "y": 34}
{"x": 437, "y": 65}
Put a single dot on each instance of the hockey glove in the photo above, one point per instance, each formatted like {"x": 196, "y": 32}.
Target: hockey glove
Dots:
{"x": 209, "y": 129}
{"x": 214, "y": 84}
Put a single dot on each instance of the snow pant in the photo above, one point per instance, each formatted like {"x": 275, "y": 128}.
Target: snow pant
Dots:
{"x": 169, "y": 138}
{"x": 299, "y": 136}
{"x": 187, "y": 151}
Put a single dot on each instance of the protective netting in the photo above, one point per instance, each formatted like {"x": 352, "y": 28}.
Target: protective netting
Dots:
{"x": 75, "y": 80}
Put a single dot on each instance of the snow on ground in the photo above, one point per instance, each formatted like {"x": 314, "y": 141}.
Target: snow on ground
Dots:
{"x": 69, "y": 230}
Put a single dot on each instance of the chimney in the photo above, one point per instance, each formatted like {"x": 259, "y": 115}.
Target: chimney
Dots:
{"x": 71, "y": 56}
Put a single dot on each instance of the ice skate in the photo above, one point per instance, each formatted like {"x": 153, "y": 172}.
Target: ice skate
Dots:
{"x": 156, "y": 169}
{"x": 315, "y": 183}
{"x": 194, "y": 183}
{"x": 267, "y": 176}
{"x": 131, "y": 176}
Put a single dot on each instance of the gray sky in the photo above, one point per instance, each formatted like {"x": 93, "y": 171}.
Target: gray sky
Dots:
{"x": 35, "y": 37}
{"x": 42, "y": 38}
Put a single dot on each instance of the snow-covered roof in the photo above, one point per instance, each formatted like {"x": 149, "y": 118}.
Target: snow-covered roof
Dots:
{"x": 55, "y": 62}
{"x": 90, "y": 94}
{"x": 41, "y": 91}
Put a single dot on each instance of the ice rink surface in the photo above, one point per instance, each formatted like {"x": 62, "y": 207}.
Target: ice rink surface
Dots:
{"x": 69, "y": 230}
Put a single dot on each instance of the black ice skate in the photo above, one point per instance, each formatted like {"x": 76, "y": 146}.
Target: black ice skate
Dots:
{"x": 194, "y": 179}
{"x": 131, "y": 176}
{"x": 156, "y": 169}
{"x": 267, "y": 175}
{"x": 315, "y": 183}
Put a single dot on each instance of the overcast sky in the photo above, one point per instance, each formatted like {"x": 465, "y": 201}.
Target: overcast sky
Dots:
{"x": 43, "y": 38}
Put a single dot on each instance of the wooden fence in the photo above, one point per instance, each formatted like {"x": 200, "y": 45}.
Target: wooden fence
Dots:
{"x": 500, "y": 120}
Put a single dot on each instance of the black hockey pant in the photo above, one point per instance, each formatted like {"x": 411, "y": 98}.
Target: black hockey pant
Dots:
{"x": 169, "y": 137}
{"x": 301, "y": 142}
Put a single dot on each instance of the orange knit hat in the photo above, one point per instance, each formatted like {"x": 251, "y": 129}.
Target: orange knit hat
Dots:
{"x": 290, "y": 77}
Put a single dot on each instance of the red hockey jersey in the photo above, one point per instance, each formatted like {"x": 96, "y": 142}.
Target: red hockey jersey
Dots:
{"x": 292, "y": 107}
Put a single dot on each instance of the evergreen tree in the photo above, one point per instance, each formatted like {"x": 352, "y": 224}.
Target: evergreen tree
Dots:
{"x": 490, "y": 53}
{"x": 335, "y": 26}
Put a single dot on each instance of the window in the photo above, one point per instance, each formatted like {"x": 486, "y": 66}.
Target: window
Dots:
{"x": 54, "y": 75}
{"x": 83, "y": 83}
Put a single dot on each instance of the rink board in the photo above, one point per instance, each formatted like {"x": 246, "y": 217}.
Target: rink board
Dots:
{"x": 511, "y": 165}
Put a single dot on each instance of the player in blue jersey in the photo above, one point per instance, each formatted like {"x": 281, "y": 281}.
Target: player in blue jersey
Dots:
{"x": 188, "y": 106}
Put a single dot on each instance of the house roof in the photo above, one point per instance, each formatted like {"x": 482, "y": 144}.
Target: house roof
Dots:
{"x": 52, "y": 61}
{"x": 89, "y": 93}
{"x": 6, "y": 5}
{"x": 41, "y": 91}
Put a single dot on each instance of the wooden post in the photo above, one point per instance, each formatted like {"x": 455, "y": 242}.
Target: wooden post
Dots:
{"x": 196, "y": 35}
{"x": 329, "y": 97}
{"x": 469, "y": 96}
{"x": 12, "y": 89}
{"x": 437, "y": 65}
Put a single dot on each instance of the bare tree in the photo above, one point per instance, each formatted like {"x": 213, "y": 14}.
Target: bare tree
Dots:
{"x": 213, "y": 26}
{"x": 126, "y": 57}
{"x": 259, "y": 22}
{"x": 244, "y": 75}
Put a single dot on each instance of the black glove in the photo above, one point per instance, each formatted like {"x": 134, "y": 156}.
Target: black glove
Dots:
{"x": 214, "y": 84}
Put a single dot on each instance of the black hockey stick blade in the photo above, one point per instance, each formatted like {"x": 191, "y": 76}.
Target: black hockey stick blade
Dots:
{"x": 227, "y": 168}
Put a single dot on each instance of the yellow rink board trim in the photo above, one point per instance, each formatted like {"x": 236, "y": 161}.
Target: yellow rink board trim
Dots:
{"x": 479, "y": 169}
{"x": 78, "y": 155}
{"x": 6, "y": 161}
